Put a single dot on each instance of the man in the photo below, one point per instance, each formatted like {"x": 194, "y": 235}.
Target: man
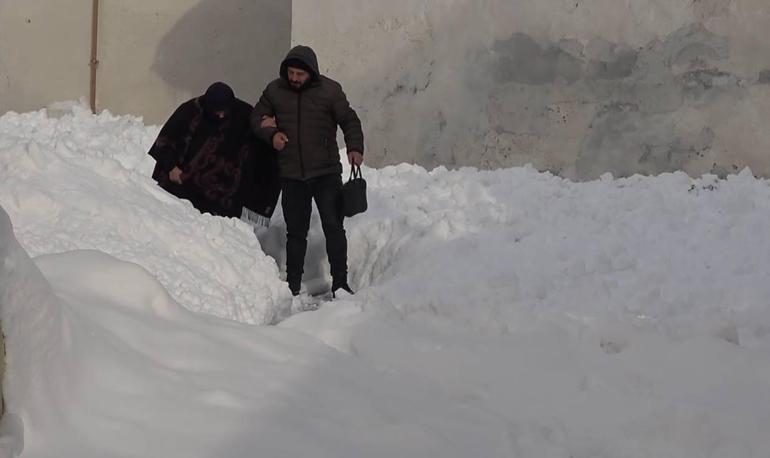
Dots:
{"x": 298, "y": 114}
{"x": 207, "y": 154}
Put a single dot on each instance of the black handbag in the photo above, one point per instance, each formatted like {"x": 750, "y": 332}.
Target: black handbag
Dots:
{"x": 354, "y": 193}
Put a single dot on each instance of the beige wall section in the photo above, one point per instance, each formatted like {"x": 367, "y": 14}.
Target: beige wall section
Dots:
{"x": 44, "y": 52}
{"x": 576, "y": 87}
{"x": 2, "y": 369}
{"x": 153, "y": 54}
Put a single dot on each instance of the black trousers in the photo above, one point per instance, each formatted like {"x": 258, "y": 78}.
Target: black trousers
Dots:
{"x": 296, "y": 203}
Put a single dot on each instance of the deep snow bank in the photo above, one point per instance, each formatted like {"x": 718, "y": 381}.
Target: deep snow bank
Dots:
{"x": 81, "y": 181}
{"x": 36, "y": 342}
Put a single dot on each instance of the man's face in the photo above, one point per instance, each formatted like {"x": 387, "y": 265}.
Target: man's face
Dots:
{"x": 297, "y": 77}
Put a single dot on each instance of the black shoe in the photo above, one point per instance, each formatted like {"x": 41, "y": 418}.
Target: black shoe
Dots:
{"x": 342, "y": 286}
{"x": 294, "y": 288}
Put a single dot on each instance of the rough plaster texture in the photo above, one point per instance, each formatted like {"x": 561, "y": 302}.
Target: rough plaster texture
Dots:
{"x": 578, "y": 87}
{"x": 153, "y": 55}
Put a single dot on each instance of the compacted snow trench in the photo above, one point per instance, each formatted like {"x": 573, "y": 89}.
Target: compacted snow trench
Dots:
{"x": 497, "y": 313}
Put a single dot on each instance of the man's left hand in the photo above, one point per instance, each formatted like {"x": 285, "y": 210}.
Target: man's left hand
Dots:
{"x": 355, "y": 158}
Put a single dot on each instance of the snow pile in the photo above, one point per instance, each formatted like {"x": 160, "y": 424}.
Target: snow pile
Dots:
{"x": 83, "y": 182}
{"x": 38, "y": 340}
{"x": 493, "y": 249}
{"x": 498, "y": 313}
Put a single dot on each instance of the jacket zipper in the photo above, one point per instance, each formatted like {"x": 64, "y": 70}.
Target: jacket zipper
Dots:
{"x": 299, "y": 136}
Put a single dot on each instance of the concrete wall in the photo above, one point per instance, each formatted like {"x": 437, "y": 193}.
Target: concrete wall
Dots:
{"x": 2, "y": 369}
{"x": 153, "y": 55}
{"x": 44, "y": 52}
{"x": 579, "y": 87}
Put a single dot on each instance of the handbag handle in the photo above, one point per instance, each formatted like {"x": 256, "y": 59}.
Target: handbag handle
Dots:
{"x": 355, "y": 172}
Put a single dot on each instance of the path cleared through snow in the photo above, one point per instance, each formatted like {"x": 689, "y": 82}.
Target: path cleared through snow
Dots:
{"x": 498, "y": 313}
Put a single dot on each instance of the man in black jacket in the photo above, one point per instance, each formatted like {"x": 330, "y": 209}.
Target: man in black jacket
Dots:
{"x": 298, "y": 114}
{"x": 207, "y": 154}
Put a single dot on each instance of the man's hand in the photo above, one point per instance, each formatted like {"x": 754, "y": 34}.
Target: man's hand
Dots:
{"x": 268, "y": 121}
{"x": 279, "y": 141}
{"x": 355, "y": 158}
{"x": 175, "y": 175}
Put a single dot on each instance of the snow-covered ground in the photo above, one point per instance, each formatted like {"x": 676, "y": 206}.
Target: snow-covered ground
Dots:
{"x": 498, "y": 313}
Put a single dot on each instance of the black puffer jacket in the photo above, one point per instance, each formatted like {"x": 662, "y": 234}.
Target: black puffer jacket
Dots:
{"x": 309, "y": 117}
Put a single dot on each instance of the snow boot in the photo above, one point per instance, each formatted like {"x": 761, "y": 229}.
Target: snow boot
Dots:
{"x": 294, "y": 287}
{"x": 343, "y": 286}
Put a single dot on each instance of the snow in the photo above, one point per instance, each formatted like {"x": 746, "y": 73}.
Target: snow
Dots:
{"x": 498, "y": 313}
{"x": 82, "y": 181}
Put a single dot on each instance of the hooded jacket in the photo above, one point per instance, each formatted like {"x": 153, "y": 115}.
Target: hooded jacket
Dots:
{"x": 309, "y": 117}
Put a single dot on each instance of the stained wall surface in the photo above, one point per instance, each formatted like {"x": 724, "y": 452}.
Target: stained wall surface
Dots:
{"x": 578, "y": 87}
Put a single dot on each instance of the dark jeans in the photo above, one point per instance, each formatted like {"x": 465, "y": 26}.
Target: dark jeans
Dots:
{"x": 296, "y": 196}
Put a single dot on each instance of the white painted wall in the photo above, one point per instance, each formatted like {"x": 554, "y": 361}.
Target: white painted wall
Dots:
{"x": 579, "y": 87}
{"x": 153, "y": 55}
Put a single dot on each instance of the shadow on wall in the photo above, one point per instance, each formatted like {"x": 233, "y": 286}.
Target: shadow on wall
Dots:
{"x": 240, "y": 42}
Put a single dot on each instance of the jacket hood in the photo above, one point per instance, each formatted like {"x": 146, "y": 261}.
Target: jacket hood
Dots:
{"x": 305, "y": 55}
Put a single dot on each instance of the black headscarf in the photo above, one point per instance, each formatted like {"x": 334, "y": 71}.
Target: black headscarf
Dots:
{"x": 218, "y": 97}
